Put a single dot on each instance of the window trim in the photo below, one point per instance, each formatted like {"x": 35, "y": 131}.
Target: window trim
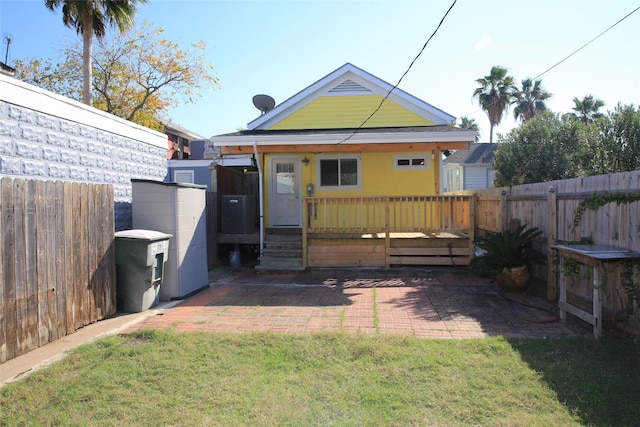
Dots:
{"x": 338, "y": 157}
{"x": 425, "y": 156}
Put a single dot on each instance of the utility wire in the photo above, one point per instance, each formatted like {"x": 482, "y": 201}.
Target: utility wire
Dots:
{"x": 572, "y": 53}
{"x": 402, "y": 77}
{"x": 585, "y": 45}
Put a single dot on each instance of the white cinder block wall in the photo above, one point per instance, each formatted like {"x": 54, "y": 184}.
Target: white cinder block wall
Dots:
{"x": 47, "y": 136}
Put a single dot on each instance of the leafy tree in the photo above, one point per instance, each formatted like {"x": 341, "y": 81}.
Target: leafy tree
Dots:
{"x": 89, "y": 18}
{"x": 48, "y": 75}
{"x": 618, "y": 143}
{"x": 137, "y": 75}
{"x": 587, "y": 109}
{"x": 549, "y": 147}
{"x": 544, "y": 148}
{"x": 470, "y": 124}
{"x": 529, "y": 100}
{"x": 495, "y": 94}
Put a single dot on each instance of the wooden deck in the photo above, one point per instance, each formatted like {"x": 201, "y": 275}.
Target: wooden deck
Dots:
{"x": 376, "y": 232}
{"x": 387, "y": 231}
{"x": 376, "y": 250}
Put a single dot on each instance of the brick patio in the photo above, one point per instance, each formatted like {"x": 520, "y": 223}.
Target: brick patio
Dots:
{"x": 433, "y": 303}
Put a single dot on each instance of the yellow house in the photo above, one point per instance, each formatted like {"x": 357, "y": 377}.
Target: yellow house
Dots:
{"x": 352, "y": 166}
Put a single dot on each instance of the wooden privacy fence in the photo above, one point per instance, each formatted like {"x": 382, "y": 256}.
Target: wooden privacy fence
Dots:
{"x": 388, "y": 214}
{"x": 58, "y": 263}
{"x": 561, "y": 210}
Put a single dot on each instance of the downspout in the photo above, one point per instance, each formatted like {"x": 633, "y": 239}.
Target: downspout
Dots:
{"x": 260, "y": 195}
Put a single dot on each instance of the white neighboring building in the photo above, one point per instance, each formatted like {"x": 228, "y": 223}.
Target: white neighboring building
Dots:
{"x": 470, "y": 169}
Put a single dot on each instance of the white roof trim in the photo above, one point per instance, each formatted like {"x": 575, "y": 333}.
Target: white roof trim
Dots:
{"x": 236, "y": 160}
{"x": 188, "y": 163}
{"x": 361, "y": 77}
{"x": 335, "y": 138}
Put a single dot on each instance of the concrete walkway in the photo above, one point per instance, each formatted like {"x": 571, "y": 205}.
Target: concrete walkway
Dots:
{"x": 430, "y": 303}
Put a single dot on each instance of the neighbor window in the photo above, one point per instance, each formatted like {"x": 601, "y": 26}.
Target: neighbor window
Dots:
{"x": 413, "y": 161}
{"x": 339, "y": 172}
{"x": 185, "y": 176}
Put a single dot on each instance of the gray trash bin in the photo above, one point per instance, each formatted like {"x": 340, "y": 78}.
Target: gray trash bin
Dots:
{"x": 140, "y": 258}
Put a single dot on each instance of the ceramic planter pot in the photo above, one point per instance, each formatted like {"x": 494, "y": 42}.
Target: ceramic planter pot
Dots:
{"x": 514, "y": 279}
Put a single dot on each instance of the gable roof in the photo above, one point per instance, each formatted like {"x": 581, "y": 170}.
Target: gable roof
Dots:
{"x": 350, "y": 79}
{"x": 477, "y": 154}
{"x": 5, "y": 69}
{"x": 178, "y": 130}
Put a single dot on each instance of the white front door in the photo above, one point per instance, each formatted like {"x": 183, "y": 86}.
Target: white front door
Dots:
{"x": 285, "y": 204}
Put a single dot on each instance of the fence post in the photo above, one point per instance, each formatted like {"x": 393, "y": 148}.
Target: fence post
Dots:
{"x": 473, "y": 200}
{"x": 504, "y": 210}
{"x": 552, "y": 235}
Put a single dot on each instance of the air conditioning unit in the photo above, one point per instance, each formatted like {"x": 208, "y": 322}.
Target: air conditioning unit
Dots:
{"x": 238, "y": 214}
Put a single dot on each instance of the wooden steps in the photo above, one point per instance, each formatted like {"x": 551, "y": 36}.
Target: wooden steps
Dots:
{"x": 282, "y": 250}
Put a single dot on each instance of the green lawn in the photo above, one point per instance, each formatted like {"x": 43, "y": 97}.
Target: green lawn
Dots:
{"x": 331, "y": 379}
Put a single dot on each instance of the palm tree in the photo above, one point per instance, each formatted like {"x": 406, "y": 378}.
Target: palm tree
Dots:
{"x": 495, "y": 94}
{"x": 470, "y": 124}
{"x": 89, "y": 18}
{"x": 588, "y": 109}
{"x": 530, "y": 99}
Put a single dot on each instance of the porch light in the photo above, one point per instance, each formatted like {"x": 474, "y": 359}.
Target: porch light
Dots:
{"x": 305, "y": 161}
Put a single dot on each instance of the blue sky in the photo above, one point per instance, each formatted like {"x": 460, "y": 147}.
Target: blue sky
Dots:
{"x": 280, "y": 48}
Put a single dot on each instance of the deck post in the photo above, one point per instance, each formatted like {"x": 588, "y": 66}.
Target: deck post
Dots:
{"x": 305, "y": 230}
{"x": 387, "y": 234}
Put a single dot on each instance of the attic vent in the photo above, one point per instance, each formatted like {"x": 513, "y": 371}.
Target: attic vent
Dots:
{"x": 349, "y": 86}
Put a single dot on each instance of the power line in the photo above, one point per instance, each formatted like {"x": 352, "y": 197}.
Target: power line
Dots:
{"x": 402, "y": 77}
{"x": 585, "y": 45}
{"x": 572, "y": 53}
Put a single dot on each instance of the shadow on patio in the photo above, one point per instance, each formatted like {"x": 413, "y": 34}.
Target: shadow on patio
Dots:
{"x": 433, "y": 302}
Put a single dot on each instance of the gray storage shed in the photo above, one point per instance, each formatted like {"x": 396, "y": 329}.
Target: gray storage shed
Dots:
{"x": 178, "y": 209}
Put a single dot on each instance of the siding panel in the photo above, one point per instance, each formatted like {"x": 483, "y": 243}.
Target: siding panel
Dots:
{"x": 349, "y": 111}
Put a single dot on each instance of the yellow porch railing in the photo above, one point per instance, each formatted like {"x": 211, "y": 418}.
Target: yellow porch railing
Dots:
{"x": 427, "y": 214}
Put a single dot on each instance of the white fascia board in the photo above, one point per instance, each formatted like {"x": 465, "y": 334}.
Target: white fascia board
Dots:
{"x": 421, "y": 108}
{"x": 358, "y": 138}
{"x": 236, "y": 160}
{"x": 301, "y": 99}
{"x": 228, "y": 160}
{"x": 405, "y": 99}
{"x": 188, "y": 163}
{"x": 280, "y": 109}
{"x": 20, "y": 93}
{"x": 185, "y": 134}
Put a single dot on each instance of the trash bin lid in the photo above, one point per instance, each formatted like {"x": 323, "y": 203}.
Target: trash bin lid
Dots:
{"x": 138, "y": 234}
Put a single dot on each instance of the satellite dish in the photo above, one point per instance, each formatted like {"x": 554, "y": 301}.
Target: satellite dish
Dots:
{"x": 264, "y": 103}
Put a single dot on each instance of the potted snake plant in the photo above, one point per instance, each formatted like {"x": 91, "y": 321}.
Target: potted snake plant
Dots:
{"x": 509, "y": 255}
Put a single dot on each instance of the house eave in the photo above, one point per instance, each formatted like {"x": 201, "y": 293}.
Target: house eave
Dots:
{"x": 342, "y": 138}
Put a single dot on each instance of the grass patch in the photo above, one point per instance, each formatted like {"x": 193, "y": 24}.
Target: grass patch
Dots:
{"x": 168, "y": 378}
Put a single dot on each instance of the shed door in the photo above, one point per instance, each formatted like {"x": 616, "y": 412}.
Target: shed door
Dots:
{"x": 285, "y": 204}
